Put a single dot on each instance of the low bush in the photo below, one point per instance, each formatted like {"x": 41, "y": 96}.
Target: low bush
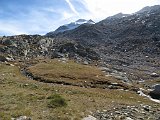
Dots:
{"x": 56, "y": 101}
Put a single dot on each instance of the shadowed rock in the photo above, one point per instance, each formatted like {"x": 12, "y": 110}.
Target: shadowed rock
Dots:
{"x": 156, "y": 92}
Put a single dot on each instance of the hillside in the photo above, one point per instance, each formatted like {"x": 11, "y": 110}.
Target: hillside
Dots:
{"x": 126, "y": 33}
{"x": 106, "y": 70}
{"x": 128, "y": 42}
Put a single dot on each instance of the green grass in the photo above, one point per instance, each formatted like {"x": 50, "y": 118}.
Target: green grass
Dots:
{"x": 56, "y": 101}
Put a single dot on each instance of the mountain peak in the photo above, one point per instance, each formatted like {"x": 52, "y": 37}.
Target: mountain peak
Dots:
{"x": 118, "y": 15}
{"x": 81, "y": 20}
{"x": 149, "y": 9}
{"x": 71, "y": 26}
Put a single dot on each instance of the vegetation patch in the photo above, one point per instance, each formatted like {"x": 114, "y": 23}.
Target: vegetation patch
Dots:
{"x": 71, "y": 73}
{"x": 56, "y": 101}
{"x": 65, "y": 70}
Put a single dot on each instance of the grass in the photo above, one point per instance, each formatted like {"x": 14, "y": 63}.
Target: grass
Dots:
{"x": 56, "y": 101}
{"x": 71, "y": 70}
{"x": 71, "y": 73}
{"x": 22, "y": 96}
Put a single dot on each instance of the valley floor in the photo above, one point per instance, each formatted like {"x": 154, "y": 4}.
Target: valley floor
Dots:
{"x": 21, "y": 96}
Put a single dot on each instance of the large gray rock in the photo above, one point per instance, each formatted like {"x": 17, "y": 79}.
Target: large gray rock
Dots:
{"x": 156, "y": 92}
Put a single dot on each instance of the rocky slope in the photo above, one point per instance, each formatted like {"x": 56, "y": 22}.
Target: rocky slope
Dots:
{"x": 129, "y": 113}
{"x": 122, "y": 33}
{"x": 130, "y": 42}
{"x": 31, "y": 46}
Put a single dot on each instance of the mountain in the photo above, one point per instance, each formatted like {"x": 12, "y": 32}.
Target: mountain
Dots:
{"x": 149, "y": 9}
{"x": 118, "y": 16}
{"x": 71, "y": 26}
{"x": 128, "y": 42}
{"x": 126, "y": 33}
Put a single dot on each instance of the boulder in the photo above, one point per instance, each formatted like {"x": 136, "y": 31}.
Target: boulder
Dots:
{"x": 3, "y": 59}
{"x": 154, "y": 75}
{"x": 155, "y": 93}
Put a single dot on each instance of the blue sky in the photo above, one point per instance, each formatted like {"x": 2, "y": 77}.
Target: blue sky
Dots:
{"x": 42, "y": 16}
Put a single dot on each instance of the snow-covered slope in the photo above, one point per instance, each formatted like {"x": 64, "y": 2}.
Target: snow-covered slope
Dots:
{"x": 71, "y": 26}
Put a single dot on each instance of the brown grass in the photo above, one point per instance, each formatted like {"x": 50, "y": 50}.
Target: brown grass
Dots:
{"x": 70, "y": 73}
{"x": 57, "y": 69}
{"x": 21, "y": 96}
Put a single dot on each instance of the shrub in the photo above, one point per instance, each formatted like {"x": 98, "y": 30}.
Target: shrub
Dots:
{"x": 56, "y": 101}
